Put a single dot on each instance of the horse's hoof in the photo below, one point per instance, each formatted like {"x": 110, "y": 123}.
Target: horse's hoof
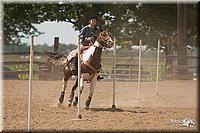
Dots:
{"x": 60, "y": 100}
{"x": 71, "y": 97}
{"x": 75, "y": 103}
{"x": 86, "y": 108}
{"x": 69, "y": 104}
{"x": 87, "y": 103}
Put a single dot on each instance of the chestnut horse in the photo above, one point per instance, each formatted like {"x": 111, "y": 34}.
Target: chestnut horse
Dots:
{"x": 90, "y": 67}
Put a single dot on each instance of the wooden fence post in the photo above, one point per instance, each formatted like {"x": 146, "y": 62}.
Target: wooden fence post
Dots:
{"x": 56, "y": 44}
{"x": 54, "y": 69}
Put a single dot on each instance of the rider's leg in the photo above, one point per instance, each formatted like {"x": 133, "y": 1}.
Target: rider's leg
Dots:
{"x": 74, "y": 64}
{"x": 99, "y": 77}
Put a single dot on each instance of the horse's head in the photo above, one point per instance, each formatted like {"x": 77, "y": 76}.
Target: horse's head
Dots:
{"x": 105, "y": 40}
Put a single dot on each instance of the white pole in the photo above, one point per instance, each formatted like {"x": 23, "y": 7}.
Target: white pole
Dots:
{"x": 1, "y": 68}
{"x": 114, "y": 73}
{"x": 30, "y": 82}
{"x": 139, "y": 69}
{"x": 157, "y": 72}
{"x": 79, "y": 76}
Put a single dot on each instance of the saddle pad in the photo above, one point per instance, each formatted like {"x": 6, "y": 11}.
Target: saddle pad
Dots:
{"x": 71, "y": 55}
{"x": 88, "y": 53}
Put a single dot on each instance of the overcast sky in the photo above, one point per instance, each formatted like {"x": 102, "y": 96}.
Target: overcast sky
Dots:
{"x": 63, "y": 30}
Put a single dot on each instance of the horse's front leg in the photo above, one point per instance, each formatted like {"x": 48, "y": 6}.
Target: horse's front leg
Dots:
{"x": 64, "y": 86}
{"x": 71, "y": 97}
{"x": 92, "y": 86}
{"x": 75, "y": 102}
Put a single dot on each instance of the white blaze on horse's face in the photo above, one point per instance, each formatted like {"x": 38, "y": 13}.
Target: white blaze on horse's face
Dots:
{"x": 108, "y": 42}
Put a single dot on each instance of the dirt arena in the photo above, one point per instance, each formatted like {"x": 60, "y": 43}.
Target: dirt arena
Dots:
{"x": 176, "y": 101}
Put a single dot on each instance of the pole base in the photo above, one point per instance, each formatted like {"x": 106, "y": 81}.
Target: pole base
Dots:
{"x": 79, "y": 117}
{"x": 113, "y": 107}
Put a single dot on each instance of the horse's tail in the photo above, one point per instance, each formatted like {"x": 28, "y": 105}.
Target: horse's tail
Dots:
{"x": 56, "y": 58}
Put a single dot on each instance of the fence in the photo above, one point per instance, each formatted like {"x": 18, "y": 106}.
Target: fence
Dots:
{"x": 189, "y": 69}
{"x": 16, "y": 64}
{"x": 127, "y": 66}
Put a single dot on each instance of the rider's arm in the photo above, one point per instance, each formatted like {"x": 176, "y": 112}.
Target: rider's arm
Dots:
{"x": 83, "y": 33}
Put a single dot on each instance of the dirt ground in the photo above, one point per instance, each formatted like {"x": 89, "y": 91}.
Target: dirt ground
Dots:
{"x": 176, "y": 100}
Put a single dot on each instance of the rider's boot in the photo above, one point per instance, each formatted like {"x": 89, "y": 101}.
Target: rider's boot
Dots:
{"x": 99, "y": 77}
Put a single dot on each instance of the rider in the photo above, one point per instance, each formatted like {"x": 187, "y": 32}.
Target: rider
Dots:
{"x": 88, "y": 35}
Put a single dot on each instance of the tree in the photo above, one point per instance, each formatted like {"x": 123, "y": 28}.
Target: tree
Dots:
{"x": 17, "y": 21}
{"x": 128, "y": 22}
{"x": 181, "y": 35}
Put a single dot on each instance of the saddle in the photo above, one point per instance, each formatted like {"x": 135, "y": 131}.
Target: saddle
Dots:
{"x": 86, "y": 76}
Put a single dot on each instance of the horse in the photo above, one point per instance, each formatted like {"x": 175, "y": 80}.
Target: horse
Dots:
{"x": 90, "y": 67}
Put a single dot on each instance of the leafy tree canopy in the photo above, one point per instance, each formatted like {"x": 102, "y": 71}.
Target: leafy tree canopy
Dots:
{"x": 127, "y": 22}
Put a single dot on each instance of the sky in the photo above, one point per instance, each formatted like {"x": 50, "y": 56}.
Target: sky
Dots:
{"x": 63, "y": 30}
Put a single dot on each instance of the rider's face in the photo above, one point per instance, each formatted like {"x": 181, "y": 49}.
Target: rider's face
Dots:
{"x": 93, "y": 22}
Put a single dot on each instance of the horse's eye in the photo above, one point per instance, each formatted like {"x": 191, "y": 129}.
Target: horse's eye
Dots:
{"x": 104, "y": 34}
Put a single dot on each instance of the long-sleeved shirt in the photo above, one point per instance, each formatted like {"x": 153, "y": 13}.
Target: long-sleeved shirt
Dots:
{"x": 87, "y": 32}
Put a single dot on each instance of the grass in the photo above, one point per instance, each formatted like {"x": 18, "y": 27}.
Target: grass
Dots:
{"x": 20, "y": 67}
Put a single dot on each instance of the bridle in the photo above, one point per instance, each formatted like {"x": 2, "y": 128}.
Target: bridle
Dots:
{"x": 105, "y": 41}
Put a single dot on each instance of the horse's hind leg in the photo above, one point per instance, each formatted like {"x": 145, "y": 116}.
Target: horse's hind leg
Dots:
{"x": 71, "y": 97}
{"x": 92, "y": 86}
{"x": 64, "y": 86}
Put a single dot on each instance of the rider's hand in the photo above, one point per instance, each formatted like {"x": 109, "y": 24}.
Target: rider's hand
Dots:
{"x": 89, "y": 39}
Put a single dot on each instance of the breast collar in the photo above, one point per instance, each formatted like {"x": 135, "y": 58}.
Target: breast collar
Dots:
{"x": 97, "y": 44}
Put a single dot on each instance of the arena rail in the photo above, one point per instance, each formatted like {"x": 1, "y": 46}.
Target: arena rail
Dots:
{"x": 126, "y": 67}
{"x": 190, "y": 67}
{"x": 17, "y": 63}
